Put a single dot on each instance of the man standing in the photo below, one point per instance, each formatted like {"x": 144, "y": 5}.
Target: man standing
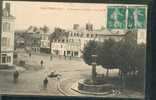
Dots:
{"x": 15, "y": 76}
{"x": 41, "y": 63}
{"x": 45, "y": 83}
{"x": 30, "y": 54}
{"x": 51, "y": 57}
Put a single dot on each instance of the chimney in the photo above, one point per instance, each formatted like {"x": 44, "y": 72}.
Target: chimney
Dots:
{"x": 76, "y": 26}
{"x": 89, "y": 27}
{"x": 7, "y": 6}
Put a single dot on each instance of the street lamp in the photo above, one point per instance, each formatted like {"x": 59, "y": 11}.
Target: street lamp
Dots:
{"x": 94, "y": 58}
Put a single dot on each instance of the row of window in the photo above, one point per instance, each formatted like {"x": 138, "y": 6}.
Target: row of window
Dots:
{"x": 45, "y": 44}
{"x": 67, "y": 40}
{"x": 45, "y": 37}
{"x": 66, "y": 46}
{"x": 81, "y": 35}
{"x": 66, "y": 53}
{"x": 6, "y": 59}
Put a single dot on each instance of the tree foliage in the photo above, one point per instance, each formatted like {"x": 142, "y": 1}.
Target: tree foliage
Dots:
{"x": 106, "y": 56}
{"x": 126, "y": 54}
{"x": 89, "y": 50}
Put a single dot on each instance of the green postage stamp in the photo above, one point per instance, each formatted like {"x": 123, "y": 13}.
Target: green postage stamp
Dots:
{"x": 116, "y": 17}
{"x": 136, "y": 17}
{"x": 130, "y": 17}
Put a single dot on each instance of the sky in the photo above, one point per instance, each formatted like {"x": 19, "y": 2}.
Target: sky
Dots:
{"x": 53, "y": 14}
{"x": 62, "y": 15}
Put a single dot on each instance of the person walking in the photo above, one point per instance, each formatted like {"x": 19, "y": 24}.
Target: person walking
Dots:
{"x": 15, "y": 76}
{"x": 30, "y": 54}
{"x": 41, "y": 63}
{"x": 51, "y": 57}
{"x": 45, "y": 83}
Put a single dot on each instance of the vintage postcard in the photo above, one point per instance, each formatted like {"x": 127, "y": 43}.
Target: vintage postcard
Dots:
{"x": 73, "y": 49}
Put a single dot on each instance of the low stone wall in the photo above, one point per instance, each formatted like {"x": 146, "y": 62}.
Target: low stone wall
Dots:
{"x": 94, "y": 88}
{"x": 5, "y": 66}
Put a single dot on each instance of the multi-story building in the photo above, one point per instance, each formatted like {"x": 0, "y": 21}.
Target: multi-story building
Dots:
{"x": 7, "y": 36}
{"x": 32, "y": 41}
{"x": 19, "y": 42}
{"x": 35, "y": 42}
{"x": 45, "y": 42}
{"x": 74, "y": 43}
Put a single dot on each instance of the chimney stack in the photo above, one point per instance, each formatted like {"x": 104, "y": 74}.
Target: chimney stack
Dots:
{"x": 89, "y": 26}
{"x": 76, "y": 26}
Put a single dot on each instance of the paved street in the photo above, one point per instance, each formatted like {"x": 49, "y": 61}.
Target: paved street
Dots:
{"x": 31, "y": 81}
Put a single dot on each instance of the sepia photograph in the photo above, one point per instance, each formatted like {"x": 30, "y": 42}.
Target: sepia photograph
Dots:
{"x": 73, "y": 49}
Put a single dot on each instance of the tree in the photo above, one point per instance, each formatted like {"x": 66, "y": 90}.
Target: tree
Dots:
{"x": 126, "y": 53}
{"x": 106, "y": 55}
{"x": 89, "y": 50}
{"x": 140, "y": 59}
{"x": 126, "y": 56}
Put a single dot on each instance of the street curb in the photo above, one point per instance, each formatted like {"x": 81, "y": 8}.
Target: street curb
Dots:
{"x": 75, "y": 88}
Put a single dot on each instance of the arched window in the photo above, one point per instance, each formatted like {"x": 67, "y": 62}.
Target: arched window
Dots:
{"x": 6, "y": 27}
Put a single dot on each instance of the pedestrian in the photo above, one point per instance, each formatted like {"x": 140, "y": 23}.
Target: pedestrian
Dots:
{"x": 15, "y": 76}
{"x": 45, "y": 83}
{"x": 30, "y": 54}
{"x": 51, "y": 57}
{"x": 41, "y": 63}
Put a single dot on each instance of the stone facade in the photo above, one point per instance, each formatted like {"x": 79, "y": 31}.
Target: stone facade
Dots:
{"x": 7, "y": 37}
{"x": 75, "y": 41}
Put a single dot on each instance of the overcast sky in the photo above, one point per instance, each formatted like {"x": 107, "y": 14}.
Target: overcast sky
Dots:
{"x": 57, "y": 14}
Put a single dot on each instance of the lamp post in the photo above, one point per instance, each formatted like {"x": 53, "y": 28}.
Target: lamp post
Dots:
{"x": 94, "y": 58}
